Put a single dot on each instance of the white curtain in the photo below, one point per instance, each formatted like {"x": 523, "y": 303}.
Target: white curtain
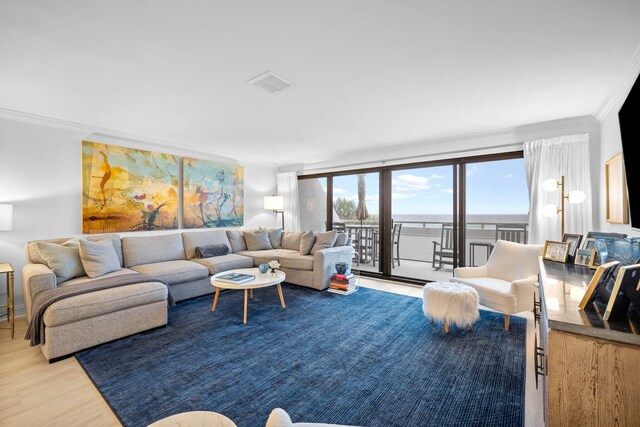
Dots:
{"x": 288, "y": 188}
{"x": 552, "y": 158}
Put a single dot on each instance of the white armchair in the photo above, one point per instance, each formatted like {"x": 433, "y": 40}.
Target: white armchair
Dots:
{"x": 506, "y": 282}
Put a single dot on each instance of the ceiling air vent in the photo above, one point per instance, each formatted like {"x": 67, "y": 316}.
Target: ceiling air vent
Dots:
{"x": 270, "y": 82}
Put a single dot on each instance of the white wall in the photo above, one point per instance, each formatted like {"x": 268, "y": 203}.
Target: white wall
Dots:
{"x": 40, "y": 175}
{"x": 610, "y": 146}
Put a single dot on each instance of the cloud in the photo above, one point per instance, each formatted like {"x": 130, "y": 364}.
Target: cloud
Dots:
{"x": 473, "y": 170}
{"x": 509, "y": 176}
{"x": 436, "y": 176}
{"x": 447, "y": 190}
{"x": 402, "y": 196}
{"x": 340, "y": 191}
{"x": 409, "y": 182}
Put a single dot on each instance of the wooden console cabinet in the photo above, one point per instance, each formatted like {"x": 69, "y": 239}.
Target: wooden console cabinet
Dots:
{"x": 589, "y": 369}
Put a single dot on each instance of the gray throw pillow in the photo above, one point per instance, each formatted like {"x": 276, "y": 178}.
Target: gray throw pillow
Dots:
{"x": 306, "y": 242}
{"x": 208, "y": 251}
{"x": 291, "y": 240}
{"x": 98, "y": 258}
{"x": 275, "y": 237}
{"x": 64, "y": 260}
{"x": 257, "y": 240}
{"x": 237, "y": 240}
{"x": 324, "y": 241}
{"x": 341, "y": 239}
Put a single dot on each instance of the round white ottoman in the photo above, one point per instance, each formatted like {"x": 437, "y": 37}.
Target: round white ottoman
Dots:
{"x": 195, "y": 419}
{"x": 451, "y": 303}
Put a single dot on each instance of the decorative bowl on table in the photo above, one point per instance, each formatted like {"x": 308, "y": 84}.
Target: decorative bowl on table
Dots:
{"x": 263, "y": 268}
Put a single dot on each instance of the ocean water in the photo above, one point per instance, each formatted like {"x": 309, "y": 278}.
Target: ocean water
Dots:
{"x": 482, "y": 218}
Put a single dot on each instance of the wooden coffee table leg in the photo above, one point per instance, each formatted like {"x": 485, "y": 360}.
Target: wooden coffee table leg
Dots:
{"x": 246, "y": 295}
{"x": 280, "y": 294}
{"x": 215, "y": 300}
{"x": 251, "y": 293}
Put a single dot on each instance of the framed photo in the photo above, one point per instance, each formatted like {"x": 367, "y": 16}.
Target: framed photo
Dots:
{"x": 584, "y": 257}
{"x": 589, "y": 243}
{"x": 556, "y": 251}
{"x": 617, "y": 208}
{"x": 574, "y": 241}
{"x": 624, "y": 292}
{"x": 597, "y": 288}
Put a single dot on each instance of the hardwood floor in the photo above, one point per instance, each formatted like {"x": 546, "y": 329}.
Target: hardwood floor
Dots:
{"x": 36, "y": 393}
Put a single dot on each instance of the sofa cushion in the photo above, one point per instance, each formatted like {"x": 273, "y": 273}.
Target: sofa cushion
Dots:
{"x": 275, "y": 237}
{"x": 324, "y": 241}
{"x": 257, "y": 240}
{"x": 152, "y": 249}
{"x": 174, "y": 272}
{"x": 98, "y": 258}
{"x": 297, "y": 261}
{"x": 84, "y": 279}
{"x": 97, "y": 303}
{"x": 33, "y": 256}
{"x": 193, "y": 239}
{"x": 236, "y": 239}
{"x": 263, "y": 257}
{"x": 496, "y": 292}
{"x": 225, "y": 262}
{"x": 291, "y": 240}
{"x": 307, "y": 241}
{"x": 341, "y": 239}
{"x": 63, "y": 260}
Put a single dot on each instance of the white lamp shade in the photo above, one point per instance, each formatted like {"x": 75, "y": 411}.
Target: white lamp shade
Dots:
{"x": 576, "y": 197}
{"x": 550, "y": 184}
{"x": 550, "y": 210}
{"x": 6, "y": 217}
{"x": 275, "y": 203}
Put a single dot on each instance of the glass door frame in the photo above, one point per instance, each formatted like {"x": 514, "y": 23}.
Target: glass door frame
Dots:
{"x": 459, "y": 167}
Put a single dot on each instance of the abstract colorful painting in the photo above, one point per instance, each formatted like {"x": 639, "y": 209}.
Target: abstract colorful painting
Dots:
{"x": 213, "y": 194}
{"x": 124, "y": 189}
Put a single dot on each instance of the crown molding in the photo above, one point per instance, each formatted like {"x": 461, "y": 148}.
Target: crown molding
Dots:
{"x": 622, "y": 86}
{"x": 496, "y": 140}
{"x": 156, "y": 142}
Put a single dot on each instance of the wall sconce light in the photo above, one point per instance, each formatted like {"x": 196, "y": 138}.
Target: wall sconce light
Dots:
{"x": 574, "y": 197}
{"x": 6, "y": 217}
{"x": 276, "y": 204}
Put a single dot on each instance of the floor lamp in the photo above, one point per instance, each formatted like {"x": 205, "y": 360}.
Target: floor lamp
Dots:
{"x": 574, "y": 197}
{"x": 276, "y": 204}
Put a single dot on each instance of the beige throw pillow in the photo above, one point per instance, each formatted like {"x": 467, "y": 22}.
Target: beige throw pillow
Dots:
{"x": 98, "y": 258}
{"x": 257, "y": 240}
{"x": 63, "y": 259}
{"x": 324, "y": 241}
{"x": 306, "y": 242}
{"x": 237, "y": 241}
{"x": 291, "y": 240}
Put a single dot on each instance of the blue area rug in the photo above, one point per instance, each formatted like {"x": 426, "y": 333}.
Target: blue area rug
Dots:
{"x": 367, "y": 359}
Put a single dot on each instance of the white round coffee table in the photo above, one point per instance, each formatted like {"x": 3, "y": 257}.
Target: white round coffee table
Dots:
{"x": 261, "y": 281}
{"x": 195, "y": 418}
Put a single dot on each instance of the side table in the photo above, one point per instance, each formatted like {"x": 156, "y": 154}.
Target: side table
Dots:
{"x": 472, "y": 255}
{"x": 6, "y": 268}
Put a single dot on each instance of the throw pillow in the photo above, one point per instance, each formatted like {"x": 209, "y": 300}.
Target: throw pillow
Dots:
{"x": 98, "y": 258}
{"x": 291, "y": 240}
{"x": 324, "y": 241}
{"x": 257, "y": 240}
{"x": 207, "y": 251}
{"x": 306, "y": 242}
{"x": 341, "y": 239}
{"x": 275, "y": 237}
{"x": 63, "y": 260}
{"x": 237, "y": 240}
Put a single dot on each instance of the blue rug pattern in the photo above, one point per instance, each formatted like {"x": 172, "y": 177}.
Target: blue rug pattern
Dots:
{"x": 367, "y": 359}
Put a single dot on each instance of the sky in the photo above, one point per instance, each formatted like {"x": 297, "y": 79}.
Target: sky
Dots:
{"x": 497, "y": 187}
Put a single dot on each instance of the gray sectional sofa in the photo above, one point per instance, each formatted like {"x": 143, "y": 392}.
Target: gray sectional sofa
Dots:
{"x": 86, "y": 320}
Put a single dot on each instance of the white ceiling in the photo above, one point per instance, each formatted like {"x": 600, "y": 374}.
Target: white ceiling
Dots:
{"x": 366, "y": 73}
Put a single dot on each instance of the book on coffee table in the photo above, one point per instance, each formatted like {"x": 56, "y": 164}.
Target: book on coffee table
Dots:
{"x": 237, "y": 278}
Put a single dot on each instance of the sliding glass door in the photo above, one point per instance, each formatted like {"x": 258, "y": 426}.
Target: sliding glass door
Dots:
{"x": 423, "y": 234}
{"x": 418, "y": 222}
